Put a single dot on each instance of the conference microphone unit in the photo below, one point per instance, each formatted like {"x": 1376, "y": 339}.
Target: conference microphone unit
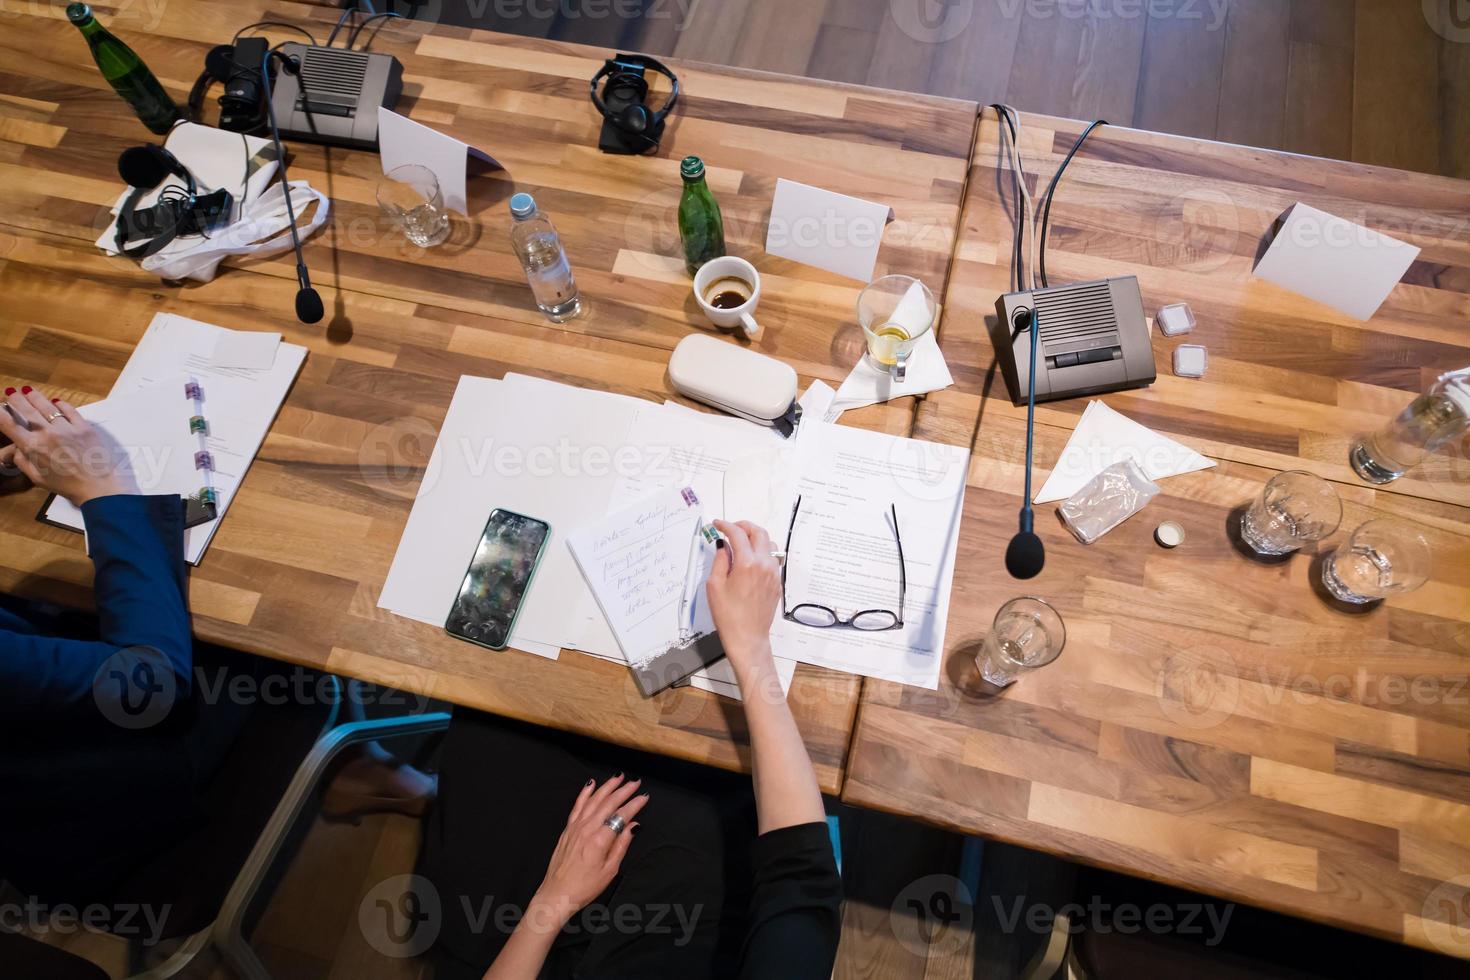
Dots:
{"x": 1026, "y": 555}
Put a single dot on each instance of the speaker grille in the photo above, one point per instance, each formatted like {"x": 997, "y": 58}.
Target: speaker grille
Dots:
{"x": 1081, "y": 311}
{"x": 331, "y": 79}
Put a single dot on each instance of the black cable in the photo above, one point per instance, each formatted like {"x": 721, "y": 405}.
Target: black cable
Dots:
{"x": 1051, "y": 189}
{"x": 340, "y": 21}
{"x": 274, "y": 23}
{"x": 352, "y": 38}
{"x": 245, "y": 182}
{"x": 1020, "y": 218}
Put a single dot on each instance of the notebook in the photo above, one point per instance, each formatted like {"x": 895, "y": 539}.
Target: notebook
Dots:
{"x": 646, "y": 566}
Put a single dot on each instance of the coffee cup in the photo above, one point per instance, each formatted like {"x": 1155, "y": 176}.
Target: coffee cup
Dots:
{"x": 728, "y": 290}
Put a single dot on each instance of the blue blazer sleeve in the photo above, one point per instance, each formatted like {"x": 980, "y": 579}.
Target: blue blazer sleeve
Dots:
{"x": 137, "y": 546}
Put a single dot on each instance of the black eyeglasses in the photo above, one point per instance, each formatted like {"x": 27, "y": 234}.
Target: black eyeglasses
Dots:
{"x": 821, "y": 617}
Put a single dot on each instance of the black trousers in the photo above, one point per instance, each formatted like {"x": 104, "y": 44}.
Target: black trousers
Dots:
{"x": 89, "y": 804}
{"x": 677, "y": 909}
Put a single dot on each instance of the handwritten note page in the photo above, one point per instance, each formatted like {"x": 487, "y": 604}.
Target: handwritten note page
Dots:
{"x": 636, "y": 562}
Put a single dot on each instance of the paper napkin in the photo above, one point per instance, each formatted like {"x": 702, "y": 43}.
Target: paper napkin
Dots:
{"x": 1104, "y": 437}
{"x": 927, "y": 370}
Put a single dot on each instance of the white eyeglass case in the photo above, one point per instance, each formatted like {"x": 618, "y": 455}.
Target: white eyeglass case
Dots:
{"x": 736, "y": 380}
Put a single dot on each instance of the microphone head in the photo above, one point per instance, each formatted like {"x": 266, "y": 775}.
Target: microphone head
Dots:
{"x": 145, "y": 166}
{"x": 309, "y": 308}
{"x": 1025, "y": 555}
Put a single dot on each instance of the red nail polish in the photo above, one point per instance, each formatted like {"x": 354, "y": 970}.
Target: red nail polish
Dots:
{"x": 9, "y": 391}
{"x": 26, "y": 390}
{"x": 56, "y": 401}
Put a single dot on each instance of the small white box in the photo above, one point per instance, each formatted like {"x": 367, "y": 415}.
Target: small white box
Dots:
{"x": 1175, "y": 319}
{"x": 1189, "y": 361}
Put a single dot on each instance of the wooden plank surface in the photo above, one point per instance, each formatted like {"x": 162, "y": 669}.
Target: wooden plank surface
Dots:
{"x": 1214, "y": 722}
{"x": 296, "y": 568}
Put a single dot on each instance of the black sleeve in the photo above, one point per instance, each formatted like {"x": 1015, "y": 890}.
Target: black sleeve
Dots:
{"x": 796, "y": 908}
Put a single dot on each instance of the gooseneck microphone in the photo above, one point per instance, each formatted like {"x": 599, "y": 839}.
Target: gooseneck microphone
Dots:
{"x": 1026, "y": 555}
{"x": 309, "y": 308}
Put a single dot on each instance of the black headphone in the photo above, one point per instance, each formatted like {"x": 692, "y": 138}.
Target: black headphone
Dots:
{"x": 624, "y": 110}
{"x": 238, "y": 67}
{"x": 179, "y": 211}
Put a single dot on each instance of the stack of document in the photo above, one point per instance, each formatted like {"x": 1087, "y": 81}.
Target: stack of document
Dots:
{"x": 240, "y": 379}
{"x": 571, "y": 456}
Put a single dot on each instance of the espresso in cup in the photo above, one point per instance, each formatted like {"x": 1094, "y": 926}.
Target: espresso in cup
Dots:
{"x": 728, "y": 290}
{"x": 728, "y": 293}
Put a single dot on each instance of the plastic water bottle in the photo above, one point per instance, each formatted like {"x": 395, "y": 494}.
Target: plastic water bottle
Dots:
{"x": 1434, "y": 418}
{"x": 538, "y": 247}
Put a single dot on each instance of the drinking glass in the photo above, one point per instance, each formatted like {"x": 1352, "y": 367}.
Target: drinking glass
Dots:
{"x": 1380, "y": 558}
{"x": 894, "y": 312}
{"x": 1295, "y": 508}
{"x": 1027, "y": 634}
{"x": 409, "y": 195}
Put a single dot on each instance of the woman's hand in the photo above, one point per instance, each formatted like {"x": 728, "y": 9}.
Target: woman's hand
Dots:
{"x": 589, "y": 853}
{"x": 744, "y": 587}
{"x": 60, "y": 451}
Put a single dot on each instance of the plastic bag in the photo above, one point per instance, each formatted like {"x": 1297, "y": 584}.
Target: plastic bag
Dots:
{"x": 1107, "y": 500}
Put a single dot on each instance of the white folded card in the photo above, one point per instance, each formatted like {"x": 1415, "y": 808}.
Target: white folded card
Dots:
{"x": 402, "y": 141}
{"x": 828, "y": 230}
{"x": 1334, "y": 261}
{"x": 1104, "y": 437}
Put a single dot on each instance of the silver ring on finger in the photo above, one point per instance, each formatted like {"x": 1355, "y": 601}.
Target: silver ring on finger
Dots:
{"x": 615, "y": 823}
{"x": 53, "y": 416}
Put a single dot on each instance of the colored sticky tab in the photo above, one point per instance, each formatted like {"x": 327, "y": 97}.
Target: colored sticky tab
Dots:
{"x": 203, "y": 461}
{"x": 690, "y": 499}
{"x": 197, "y": 424}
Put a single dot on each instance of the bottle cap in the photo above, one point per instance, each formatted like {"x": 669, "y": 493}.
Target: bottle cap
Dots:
{"x": 1170, "y": 534}
{"x": 522, "y": 206}
{"x": 78, "y": 13}
{"x": 691, "y": 168}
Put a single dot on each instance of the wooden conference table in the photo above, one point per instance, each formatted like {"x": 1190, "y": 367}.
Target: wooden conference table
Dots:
{"x": 1180, "y": 736}
{"x": 1213, "y": 722}
{"x": 296, "y": 568}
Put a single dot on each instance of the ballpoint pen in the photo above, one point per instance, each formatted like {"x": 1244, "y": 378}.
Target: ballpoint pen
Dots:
{"x": 703, "y": 534}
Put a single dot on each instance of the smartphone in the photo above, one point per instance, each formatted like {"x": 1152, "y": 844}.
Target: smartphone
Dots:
{"x": 496, "y": 582}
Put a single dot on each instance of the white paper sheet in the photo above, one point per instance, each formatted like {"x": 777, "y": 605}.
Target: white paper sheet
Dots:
{"x": 239, "y": 404}
{"x": 843, "y": 553}
{"x": 1334, "y": 261}
{"x": 252, "y": 349}
{"x": 825, "y": 229}
{"x": 402, "y": 141}
{"x": 1104, "y": 437}
{"x": 531, "y": 446}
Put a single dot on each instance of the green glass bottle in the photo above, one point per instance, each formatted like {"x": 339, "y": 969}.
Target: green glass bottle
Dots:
{"x": 126, "y": 73}
{"x": 700, "y": 224}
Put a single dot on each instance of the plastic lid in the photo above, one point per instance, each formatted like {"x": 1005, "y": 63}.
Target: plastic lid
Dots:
{"x": 78, "y": 12}
{"x": 691, "y": 168}
{"x": 522, "y": 206}
{"x": 1169, "y": 534}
